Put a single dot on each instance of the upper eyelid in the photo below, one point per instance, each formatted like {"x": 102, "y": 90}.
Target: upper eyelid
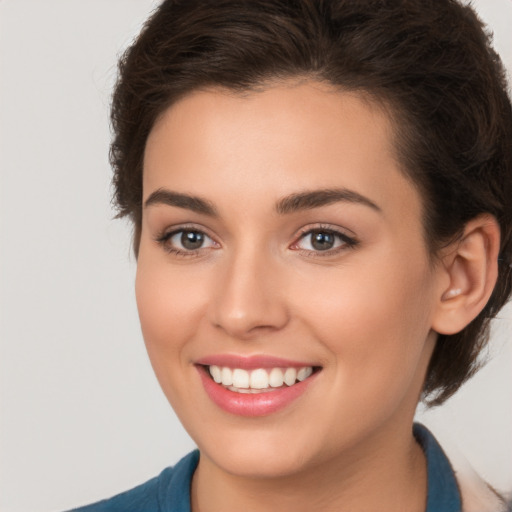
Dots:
{"x": 326, "y": 227}
{"x": 164, "y": 240}
{"x": 172, "y": 230}
{"x": 348, "y": 239}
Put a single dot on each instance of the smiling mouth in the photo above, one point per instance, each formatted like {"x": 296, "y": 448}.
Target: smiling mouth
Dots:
{"x": 259, "y": 380}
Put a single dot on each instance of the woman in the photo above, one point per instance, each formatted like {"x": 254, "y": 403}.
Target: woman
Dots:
{"x": 320, "y": 193}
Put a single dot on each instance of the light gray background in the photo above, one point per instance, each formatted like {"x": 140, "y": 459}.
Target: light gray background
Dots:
{"x": 82, "y": 416}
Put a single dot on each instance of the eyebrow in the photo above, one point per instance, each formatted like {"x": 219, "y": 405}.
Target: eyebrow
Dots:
{"x": 186, "y": 201}
{"x": 314, "y": 199}
{"x": 295, "y": 202}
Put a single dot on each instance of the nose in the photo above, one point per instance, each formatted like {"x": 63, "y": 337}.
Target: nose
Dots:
{"x": 249, "y": 298}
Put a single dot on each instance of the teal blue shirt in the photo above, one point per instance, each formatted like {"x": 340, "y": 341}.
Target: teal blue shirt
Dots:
{"x": 170, "y": 491}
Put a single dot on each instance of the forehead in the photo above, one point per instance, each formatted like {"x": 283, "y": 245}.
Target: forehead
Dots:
{"x": 256, "y": 147}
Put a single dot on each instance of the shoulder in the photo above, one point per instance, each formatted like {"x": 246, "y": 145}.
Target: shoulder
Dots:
{"x": 477, "y": 495}
{"x": 452, "y": 484}
{"x": 142, "y": 497}
{"x": 167, "y": 492}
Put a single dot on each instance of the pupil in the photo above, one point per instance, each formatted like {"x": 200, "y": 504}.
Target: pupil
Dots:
{"x": 322, "y": 241}
{"x": 192, "y": 240}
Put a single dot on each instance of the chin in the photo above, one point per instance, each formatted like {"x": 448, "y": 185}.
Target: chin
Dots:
{"x": 260, "y": 451}
{"x": 258, "y": 462}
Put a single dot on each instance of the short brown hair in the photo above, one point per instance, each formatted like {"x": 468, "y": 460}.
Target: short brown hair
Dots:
{"x": 429, "y": 61}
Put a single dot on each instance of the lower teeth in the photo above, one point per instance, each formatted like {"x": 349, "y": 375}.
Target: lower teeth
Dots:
{"x": 251, "y": 390}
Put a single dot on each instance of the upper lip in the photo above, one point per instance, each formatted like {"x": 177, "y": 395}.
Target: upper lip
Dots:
{"x": 250, "y": 362}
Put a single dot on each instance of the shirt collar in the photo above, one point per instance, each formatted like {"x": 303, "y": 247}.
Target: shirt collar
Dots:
{"x": 443, "y": 492}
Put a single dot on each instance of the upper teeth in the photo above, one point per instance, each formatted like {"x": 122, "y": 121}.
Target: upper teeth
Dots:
{"x": 240, "y": 379}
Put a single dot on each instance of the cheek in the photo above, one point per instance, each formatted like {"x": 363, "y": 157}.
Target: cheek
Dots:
{"x": 170, "y": 306}
{"x": 375, "y": 325}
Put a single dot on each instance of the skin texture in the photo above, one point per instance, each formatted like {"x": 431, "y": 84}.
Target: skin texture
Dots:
{"x": 366, "y": 314}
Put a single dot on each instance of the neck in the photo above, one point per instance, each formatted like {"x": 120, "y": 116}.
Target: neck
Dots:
{"x": 387, "y": 474}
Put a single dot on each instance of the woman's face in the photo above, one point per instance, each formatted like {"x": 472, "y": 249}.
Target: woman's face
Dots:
{"x": 278, "y": 233}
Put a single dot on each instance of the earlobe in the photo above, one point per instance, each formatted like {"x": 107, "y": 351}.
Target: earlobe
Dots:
{"x": 471, "y": 265}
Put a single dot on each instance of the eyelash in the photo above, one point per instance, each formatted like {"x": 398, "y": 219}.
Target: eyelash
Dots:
{"x": 164, "y": 238}
{"x": 348, "y": 242}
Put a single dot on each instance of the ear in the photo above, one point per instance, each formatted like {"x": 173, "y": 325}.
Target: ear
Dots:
{"x": 469, "y": 271}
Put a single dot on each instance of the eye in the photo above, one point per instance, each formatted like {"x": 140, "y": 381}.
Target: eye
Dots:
{"x": 324, "y": 240}
{"x": 186, "y": 241}
{"x": 189, "y": 240}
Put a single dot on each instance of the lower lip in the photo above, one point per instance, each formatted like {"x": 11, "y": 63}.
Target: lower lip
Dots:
{"x": 252, "y": 404}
